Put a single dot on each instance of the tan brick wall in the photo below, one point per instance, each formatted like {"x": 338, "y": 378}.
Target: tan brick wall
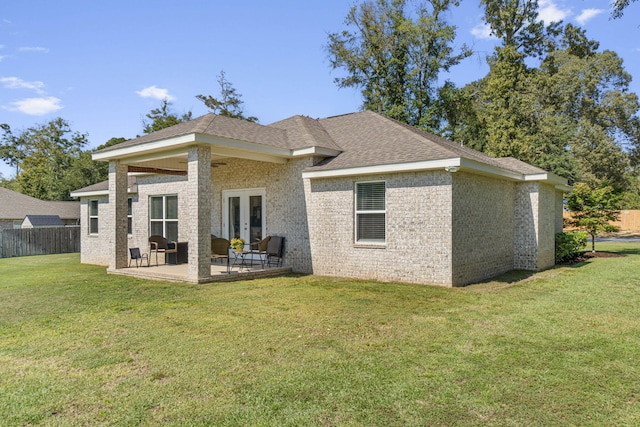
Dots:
{"x": 483, "y": 221}
{"x": 418, "y": 247}
{"x": 94, "y": 248}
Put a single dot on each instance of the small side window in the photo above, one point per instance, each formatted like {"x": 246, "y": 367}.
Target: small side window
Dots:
{"x": 93, "y": 217}
{"x": 371, "y": 212}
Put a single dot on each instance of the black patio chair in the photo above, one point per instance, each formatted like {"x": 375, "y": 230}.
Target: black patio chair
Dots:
{"x": 275, "y": 251}
{"x": 136, "y": 255}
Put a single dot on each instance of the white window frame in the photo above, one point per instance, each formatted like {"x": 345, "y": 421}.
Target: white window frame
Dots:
{"x": 129, "y": 216}
{"x": 164, "y": 220}
{"x": 94, "y": 217}
{"x": 359, "y": 212}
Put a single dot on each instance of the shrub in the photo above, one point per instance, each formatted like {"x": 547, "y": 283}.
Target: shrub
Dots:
{"x": 570, "y": 245}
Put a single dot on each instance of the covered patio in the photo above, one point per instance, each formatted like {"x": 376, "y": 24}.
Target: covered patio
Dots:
{"x": 180, "y": 272}
{"x": 187, "y": 155}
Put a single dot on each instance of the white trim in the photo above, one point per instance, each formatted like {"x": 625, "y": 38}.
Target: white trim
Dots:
{"x": 357, "y": 212}
{"x": 179, "y": 141}
{"x": 444, "y": 164}
{"x": 395, "y": 167}
{"x": 131, "y": 190}
{"x": 320, "y": 151}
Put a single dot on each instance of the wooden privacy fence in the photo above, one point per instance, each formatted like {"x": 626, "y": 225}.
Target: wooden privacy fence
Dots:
{"x": 629, "y": 220}
{"x": 39, "y": 241}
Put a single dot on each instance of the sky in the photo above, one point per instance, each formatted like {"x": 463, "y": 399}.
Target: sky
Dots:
{"x": 103, "y": 65}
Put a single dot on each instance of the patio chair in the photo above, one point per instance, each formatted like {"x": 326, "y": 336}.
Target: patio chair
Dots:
{"x": 259, "y": 248}
{"x": 275, "y": 251}
{"x": 135, "y": 254}
{"x": 159, "y": 244}
{"x": 220, "y": 250}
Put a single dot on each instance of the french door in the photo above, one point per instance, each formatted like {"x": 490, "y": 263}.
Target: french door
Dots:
{"x": 244, "y": 214}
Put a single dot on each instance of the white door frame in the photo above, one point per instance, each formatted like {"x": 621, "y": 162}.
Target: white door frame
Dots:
{"x": 244, "y": 195}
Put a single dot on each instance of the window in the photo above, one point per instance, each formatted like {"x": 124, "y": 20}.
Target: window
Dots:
{"x": 129, "y": 216}
{"x": 93, "y": 217}
{"x": 164, "y": 216}
{"x": 370, "y": 212}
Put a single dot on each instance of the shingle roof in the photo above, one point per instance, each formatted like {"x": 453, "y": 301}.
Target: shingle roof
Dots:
{"x": 44, "y": 220}
{"x": 104, "y": 186}
{"x": 305, "y": 132}
{"x": 363, "y": 139}
{"x": 14, "y": 206}
{"x": 214, "y": 125}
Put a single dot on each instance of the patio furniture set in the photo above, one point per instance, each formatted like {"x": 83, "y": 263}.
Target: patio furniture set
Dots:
{"x": 267, "y": 251}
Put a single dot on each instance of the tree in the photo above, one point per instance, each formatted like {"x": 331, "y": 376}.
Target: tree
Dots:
{"x": 593, "y": 209}
{"x": 162, "y": 118}
{"x": 50, "y": 160}
{"x": 395, "y": 56}
{"x": 12, "y": 148}
{"x": 516, "y": 23}
{"x": 619, "y": 6}
{"x": 229, "y": 104}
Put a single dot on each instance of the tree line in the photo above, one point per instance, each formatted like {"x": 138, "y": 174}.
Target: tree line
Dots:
{"x": 551, "y": 97}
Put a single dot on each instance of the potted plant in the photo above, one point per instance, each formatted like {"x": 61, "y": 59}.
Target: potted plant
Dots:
{"x": 237, "y": 243}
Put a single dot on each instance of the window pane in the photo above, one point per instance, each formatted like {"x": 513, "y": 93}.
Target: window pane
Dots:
{"x": 234, "y": 217}
{"x": 93, "y": 225}
{"x": 172, "y": 207}
{"x": 93, "y": 208}
{"x": 156, "y": 228}
{"x": 156, "y": 208}
{"x": 172, "y": 230}
{"x": 371, "y": 227}
{"x": 255, "y": 212}
{"x": 129, "y": 226}
{"x": 129, "y": 205}
{"x": 370, "y": 196}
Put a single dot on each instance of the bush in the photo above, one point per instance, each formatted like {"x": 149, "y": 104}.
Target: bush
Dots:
{"x": 570, "y": 245}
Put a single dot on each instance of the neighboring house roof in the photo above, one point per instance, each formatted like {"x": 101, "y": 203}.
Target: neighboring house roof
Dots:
{"x": 43, "y": 220}
{"x": 15, "y": 206}
{"x": 102, "y": 188}
{"x": 351, "y": 144}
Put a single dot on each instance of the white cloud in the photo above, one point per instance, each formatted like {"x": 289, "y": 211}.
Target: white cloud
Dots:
{"x": 482, "y": 31}
{"x": 34, "y": 49}
{"x": 156, "y": 93}
{"x": 550, "y": 12}
{"x": 17, "y": 83}
{"x": 587, "y": 15}
{"x": 36, "y": 106}
{"x": 2, "y": 57}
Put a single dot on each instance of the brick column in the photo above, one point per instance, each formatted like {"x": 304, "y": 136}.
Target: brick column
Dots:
{"x": 116, "y": 217}
{"x": 526, "y": 217}
{"x": 198, "y": 223}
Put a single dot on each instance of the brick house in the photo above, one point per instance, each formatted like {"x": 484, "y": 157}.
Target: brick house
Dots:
{"x": 14, "y": 207}
{"x": 357, "y": 195}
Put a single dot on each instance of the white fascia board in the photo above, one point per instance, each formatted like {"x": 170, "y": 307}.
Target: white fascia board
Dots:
{"x": 377, "y": 169}
{"x": 75, "y": 194}
{"x": 319, "y": 151}
{"x": 149, "y": 147}
{"x": 490, "y": 170}
{"x": 230, "y": 146}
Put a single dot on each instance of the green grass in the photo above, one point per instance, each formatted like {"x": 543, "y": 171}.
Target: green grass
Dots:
{"x": 561, "y": 347}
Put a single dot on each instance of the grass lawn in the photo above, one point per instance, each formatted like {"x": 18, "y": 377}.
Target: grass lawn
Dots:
{"x": 78, "y": 347}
